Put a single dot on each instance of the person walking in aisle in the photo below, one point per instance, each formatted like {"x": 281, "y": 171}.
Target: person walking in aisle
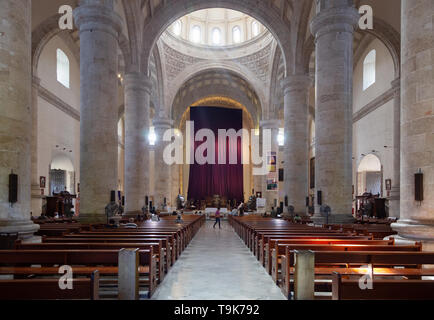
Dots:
{"x": 217, "y": 218}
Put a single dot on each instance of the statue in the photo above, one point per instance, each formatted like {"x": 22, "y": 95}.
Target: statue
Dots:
{"x": 290, "y": 214}
{"x": 112, "y": 209}
{"x": 325, "y": 211}
{"x": 251, "y": 204}
{"x": 180, "y": 202}
{"x": 121, "y": 209}
{"x": 144, "y": 210}
{"x": 67, "y": 203}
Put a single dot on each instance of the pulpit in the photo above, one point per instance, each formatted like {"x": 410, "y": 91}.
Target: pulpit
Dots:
{"x": 60, "y": 203}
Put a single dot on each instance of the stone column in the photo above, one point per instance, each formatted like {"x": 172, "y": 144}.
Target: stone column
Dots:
{"x": 333, "y": 28}
{"x": 36, "y": 200}
{"x": 99, "y": 28}
{"x": 296, "y": 154}
{"x": 395, "y": 192}
{"x": 417, "y": 120}
{"x": 162, "y": 183}
{"x": 16, "y": 116}
{"x": 270, "y": 196}
{"x": 257, "y": 179}
{"x": 137, "y": 101}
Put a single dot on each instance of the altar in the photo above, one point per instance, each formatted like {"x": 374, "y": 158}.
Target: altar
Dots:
{"x": 210, "y": 212}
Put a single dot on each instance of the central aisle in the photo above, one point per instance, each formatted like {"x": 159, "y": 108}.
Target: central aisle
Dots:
{"x": 217, "y": 266}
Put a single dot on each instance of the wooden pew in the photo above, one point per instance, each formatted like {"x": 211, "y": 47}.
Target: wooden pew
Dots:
{"x": 266, "y": 238}
{"x": 168, "y": 243}
{"x": 348, "y": 289}
{"x": 175, "y": 241}
{"x": 327, "y": 262}
{"x": 273, "y": 242}
{"x": 79, "y": 260}
{"x": 48, "y": 289}
{"x": 279, "y": 250}
{"x": 156, "y": 244}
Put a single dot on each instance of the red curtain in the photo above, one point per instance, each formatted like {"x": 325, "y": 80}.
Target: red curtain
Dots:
{"x": 217, "y": 179}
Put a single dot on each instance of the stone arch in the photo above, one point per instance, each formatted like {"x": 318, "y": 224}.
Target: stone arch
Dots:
{"x": 276, "y": 91}
{"x": 184, "y": 99}
{"x": 160, "y": 80}
{"x": 172, "y": 10}
{"x": 370, "y": 163}
{"x": 44, "y": 32}
{"x": 42, "y": 35}
{"x": 133, "y": 42}
{"x": 382, "y": 31}
{"x": 196, "y": 69}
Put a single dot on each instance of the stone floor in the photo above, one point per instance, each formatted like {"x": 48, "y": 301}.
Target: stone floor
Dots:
{"x": 217, "y": 266}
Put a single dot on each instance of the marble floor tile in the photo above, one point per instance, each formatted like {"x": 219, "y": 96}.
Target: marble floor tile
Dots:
{"x": 217, "y": 266}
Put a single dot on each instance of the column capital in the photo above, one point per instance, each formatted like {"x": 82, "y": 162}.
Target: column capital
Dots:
{"x": 296, "y": 82}
{"x": 162, "y": 123}
{"x": 270, "y": 124}
{"x": 343, "y": 18}
{"x": 96, "y": 15}
{"x": 137, "y": 81}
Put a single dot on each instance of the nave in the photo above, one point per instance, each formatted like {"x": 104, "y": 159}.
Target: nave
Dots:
{"x": 337, "y": 96}
{"x": 217, "y": 266}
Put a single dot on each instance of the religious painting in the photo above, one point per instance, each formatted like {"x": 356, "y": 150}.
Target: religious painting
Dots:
{"x": 272, "y": 162}
{"x": 388, "y": 184}
{"x": 272, "y": 182}
{"x": 42, "y": 182}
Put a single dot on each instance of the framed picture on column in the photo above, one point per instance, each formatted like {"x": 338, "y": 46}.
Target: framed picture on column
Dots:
{"x": 272, "y": 161}
{"x": 42, "y": 182}
{"x": 388, "y": 184}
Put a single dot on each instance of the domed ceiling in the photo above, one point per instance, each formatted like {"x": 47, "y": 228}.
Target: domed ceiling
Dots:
{"x": 217, "y": 27}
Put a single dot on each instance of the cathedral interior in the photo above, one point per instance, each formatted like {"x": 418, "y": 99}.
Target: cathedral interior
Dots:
{"x": 337, "y": 95}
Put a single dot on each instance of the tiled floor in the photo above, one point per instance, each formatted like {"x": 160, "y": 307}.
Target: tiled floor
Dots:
{"x": 217, "y": 266}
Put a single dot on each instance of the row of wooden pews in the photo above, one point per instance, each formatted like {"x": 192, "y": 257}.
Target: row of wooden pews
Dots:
{"x": 340, "y": 257}
{"x": 94, "y": 254}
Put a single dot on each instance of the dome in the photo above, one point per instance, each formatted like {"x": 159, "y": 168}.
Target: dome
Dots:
{"x": 217, "y": 27}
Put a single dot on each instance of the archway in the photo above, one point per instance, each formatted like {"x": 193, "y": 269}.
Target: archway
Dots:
{"x": 62, "y": 175}
{"x": 369, "y": 176}
{"x": 165, "y": 15}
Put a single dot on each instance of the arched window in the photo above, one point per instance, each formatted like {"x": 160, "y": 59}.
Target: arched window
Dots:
{"x": 216, "y": 36}
{"x": 62, "y": 68}
{"x": 281, "y": 137}
{"x": 255, "y": 28}
{"x": 177, "y": 28}
{"x": 196, "y": 34}
{"x": 369, "y": 70}
{"x": 236, "y": 34}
